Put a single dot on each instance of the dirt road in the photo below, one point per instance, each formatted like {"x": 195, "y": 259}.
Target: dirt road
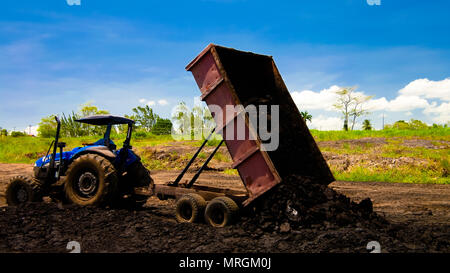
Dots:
{"x": 420, "y": 217}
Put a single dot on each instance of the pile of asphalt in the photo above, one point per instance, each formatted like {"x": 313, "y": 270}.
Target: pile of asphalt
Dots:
{"x": 300, "y": 202}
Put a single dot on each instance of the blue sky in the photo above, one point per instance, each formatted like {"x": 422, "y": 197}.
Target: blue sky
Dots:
{"x": 120, "y": 54}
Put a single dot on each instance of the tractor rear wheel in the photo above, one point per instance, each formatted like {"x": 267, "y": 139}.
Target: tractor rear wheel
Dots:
{"x": 190, "y": 208}
{"x": 91, "y": 180}
{"x": 23, "y": 189}
{"x": 221, "y": 211}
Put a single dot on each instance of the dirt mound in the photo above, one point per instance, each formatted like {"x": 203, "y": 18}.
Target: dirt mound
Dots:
{"x": 300, "y": 202}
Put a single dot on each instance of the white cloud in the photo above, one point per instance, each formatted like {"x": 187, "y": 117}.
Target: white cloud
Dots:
{"x": 428, "y": 89}
{"x": 415, "y": 95}
{"x": 310, "y": 100}
{"x": 73, "y": 2}
{"x": 377, "y": 104}
{"x": 409, "y": 114}
{"x": 162, "y": 102}
{"x": 152, "y": 102}
{"x": 326, "y": 123}
{"x": 406, "y": 103}
{"x": 441, "y": 112}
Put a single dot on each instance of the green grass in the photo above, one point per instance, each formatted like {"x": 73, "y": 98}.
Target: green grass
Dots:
{"x": 28, "y": 149}
{"x": 430, "y": 134}
{"x": 435, "y": 168}
{"x": 404, "y": 174}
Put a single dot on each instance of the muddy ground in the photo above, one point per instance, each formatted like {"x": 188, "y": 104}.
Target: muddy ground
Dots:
{"x": 419, "y": 217}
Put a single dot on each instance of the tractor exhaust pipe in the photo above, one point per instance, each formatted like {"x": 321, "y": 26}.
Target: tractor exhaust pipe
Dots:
{"x": 58, "y": 128}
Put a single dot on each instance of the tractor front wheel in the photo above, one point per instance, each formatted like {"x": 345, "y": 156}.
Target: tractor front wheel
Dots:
{"x": 23, "y": 189}
{"x": 91, "y": 180}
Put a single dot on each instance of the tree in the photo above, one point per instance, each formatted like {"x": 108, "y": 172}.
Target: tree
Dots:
{"x": 350, "y": 104}
{"x": 162, "y": 127}
{"x": 417, "y": 124}
{"x": 86, "y": 110}
{"x": 358, "y": 109}
{"x": 47, "y": 126}
{"x": 201, "y": 120}
{"x": 306, "y": 116}
{"x": 69, "y": 126}
{"x": 17, "y": 134}
{"x": 145, "y": 117}
{"x": 4, "y": 132}
{"x": 366, "y": 125}
{"x": 182, "y": 117}
{"x": 193, "y": 123}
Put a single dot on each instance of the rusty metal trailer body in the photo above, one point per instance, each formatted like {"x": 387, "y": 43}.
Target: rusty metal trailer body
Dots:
{"x": 228, "y": 77}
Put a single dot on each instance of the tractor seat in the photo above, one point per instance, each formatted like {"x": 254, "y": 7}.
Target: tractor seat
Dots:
{"x": 61, "y": 144}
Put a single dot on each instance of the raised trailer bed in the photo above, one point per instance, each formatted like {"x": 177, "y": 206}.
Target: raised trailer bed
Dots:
{"x": 228, "y": 77}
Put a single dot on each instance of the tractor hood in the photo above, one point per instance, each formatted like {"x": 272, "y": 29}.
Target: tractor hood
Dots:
{"x": 66, "y": 156}
{"x": 100, "y": 149}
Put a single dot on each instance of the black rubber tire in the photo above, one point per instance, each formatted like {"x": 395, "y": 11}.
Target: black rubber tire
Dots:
{"x": 106, "y": 181}
{"x": 30, "y": 189}
{"x": 221, "y": 211}
{"x": 190, "y": 208}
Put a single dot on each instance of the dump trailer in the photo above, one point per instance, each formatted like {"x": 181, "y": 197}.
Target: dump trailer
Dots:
{"x": 228, "y": 77}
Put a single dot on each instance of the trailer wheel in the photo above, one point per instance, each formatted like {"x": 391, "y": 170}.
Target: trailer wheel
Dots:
{"x": 221, "y": 211}
{"x": 190, "y": 208}
{"x": 22, "y": 189}
{"x": 91, "y": 180}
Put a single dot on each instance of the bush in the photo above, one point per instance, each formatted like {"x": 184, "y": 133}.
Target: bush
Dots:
{"x": 140, "y": 134}
{"x": 162, "y": 127}
{"x": 17, "y": 134}
{"x": 413, "y": 124}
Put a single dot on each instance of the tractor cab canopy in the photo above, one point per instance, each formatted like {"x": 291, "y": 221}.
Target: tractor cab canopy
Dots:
{"x": 109, "y": 121}
{"x": 105, "y": 120}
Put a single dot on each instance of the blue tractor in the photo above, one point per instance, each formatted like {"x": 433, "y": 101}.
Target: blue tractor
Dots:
{"x": 96, "y": 174}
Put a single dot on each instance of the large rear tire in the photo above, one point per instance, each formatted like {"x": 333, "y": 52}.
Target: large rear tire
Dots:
{"x": 23, "y": 189}
{"x": 221, "y": 211}
{"x": 91, "y": 180}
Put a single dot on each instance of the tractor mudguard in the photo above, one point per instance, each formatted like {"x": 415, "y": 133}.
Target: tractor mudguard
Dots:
{"x": 100, "y": 150}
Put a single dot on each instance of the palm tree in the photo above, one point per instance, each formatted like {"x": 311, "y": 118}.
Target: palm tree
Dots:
{"x": 366, "y": 125}
{"x": 306, "y": 116}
